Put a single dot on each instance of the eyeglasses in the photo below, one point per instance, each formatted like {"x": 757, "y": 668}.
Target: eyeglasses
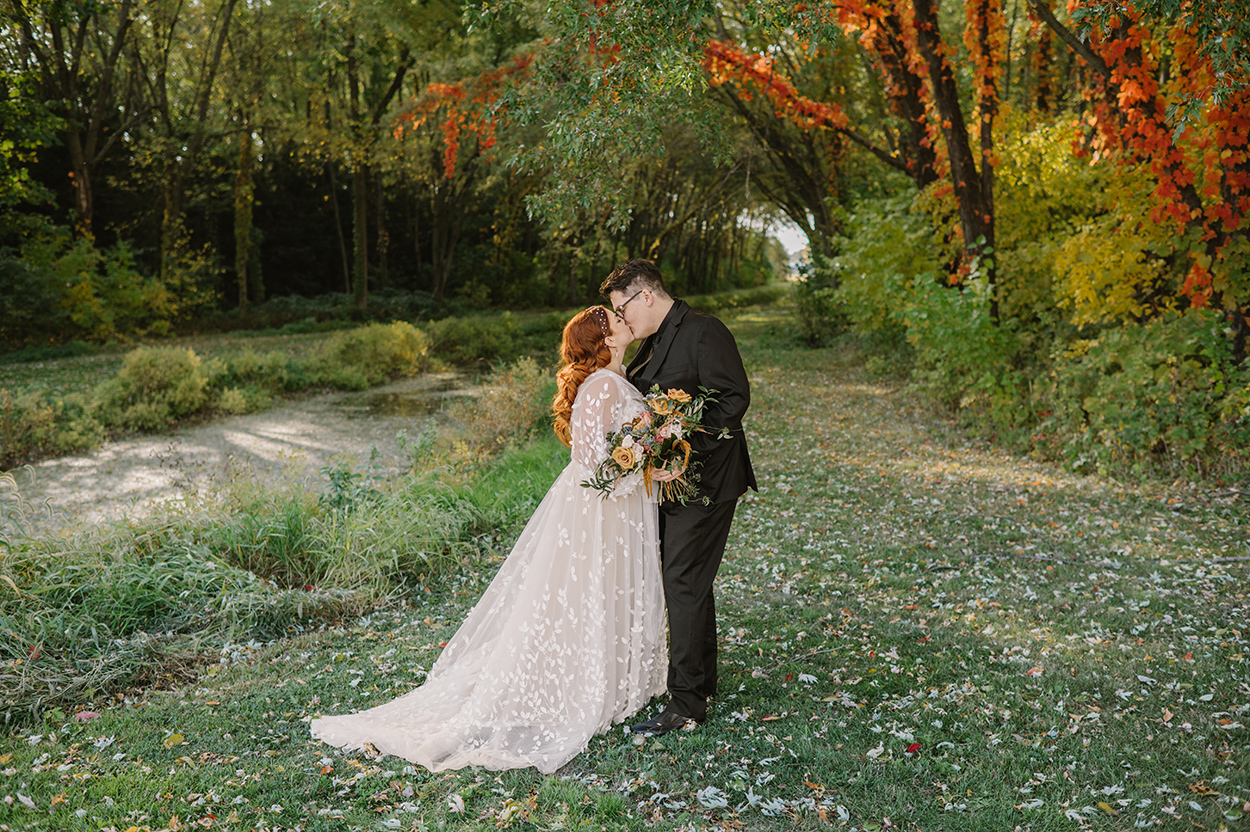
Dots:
{"x": 620, "y": 310}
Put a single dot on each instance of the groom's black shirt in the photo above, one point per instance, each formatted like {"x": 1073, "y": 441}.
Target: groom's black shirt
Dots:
{"x": 690, "y": 350}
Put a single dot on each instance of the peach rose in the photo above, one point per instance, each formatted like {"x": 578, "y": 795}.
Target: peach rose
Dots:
{"x": 679, "y": 396}
{"x": 625, "y": 458}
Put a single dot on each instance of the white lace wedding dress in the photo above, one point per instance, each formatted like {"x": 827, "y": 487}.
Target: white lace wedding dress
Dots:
{"x": 567, "y": 639}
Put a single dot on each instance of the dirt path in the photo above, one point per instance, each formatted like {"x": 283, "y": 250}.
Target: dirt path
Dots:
{"x": 127, "y": 478}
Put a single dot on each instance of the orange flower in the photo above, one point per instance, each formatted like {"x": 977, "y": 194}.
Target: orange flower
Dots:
{"x": 679, "y": 396}
{"x": 626, "y": 458}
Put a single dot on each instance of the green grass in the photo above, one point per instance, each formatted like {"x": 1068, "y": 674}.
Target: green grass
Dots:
{"x": 1066, "y": 653}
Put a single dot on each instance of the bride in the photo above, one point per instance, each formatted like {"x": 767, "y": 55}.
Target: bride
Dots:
{"x": 569, "y": 636}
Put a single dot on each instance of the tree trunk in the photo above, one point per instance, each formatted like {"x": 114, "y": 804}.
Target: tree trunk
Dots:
{"x": 182, "y": 153}
{"x": 360, "y": 180}
{"x": 360, "y": 236}
{"x": 61, "y": 70}
{"x": 976, "y": 214}
{"x": 383, "y": 237}
{"x": 244, "y": 189}
{"x": 338, "y": 227}
{"x": 80, "y": 173}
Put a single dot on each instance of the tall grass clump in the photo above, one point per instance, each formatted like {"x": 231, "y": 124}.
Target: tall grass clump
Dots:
{"x": 88, "y": 615}
{"x": 513, "y": 400}
{"x": 98, "y": 612}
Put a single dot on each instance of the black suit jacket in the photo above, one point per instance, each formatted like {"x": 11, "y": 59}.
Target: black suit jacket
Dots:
{"x": 691, "y": 350}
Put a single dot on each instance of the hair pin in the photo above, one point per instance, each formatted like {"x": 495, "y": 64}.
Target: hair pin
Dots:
{"x": 602, "y": 318}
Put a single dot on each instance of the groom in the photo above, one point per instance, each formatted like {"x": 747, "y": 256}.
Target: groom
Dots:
{"x": 686, "y": 350}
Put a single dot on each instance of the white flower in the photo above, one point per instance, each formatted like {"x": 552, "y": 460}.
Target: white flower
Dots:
{"x": 628, "y": 441}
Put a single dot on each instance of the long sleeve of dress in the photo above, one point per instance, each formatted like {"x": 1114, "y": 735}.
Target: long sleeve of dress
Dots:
{"x": 604, "y": 402}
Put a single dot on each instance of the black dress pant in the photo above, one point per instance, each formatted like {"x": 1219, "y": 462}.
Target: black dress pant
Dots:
{"x": 692, "y": 545}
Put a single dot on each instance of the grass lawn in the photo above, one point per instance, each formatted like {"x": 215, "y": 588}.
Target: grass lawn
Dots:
{"x": 918, "y": 632}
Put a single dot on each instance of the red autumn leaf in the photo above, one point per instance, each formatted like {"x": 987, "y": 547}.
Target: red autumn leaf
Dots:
{"x": 914, "y": 748}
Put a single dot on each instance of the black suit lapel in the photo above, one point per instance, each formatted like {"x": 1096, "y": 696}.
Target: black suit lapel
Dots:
{"x": 643, "y": 369}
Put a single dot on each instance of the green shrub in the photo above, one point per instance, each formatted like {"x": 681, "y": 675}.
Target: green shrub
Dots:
{"x": 887, "y": 248}
{"x": 370, "y": 355}
{"x": 1167, "y": 391}
{"x": 470, "y": 340}
{"x": 258, "y": 376}
{"x": 325, "y": 313}
{"x": 818, "y": 311}
{"x": 726, "y": 304}
{"x": 57, "y": 288}
{"x": 962, "y": 358}
{"x": 35, "y": 423}
{"x": 155, "y": 387}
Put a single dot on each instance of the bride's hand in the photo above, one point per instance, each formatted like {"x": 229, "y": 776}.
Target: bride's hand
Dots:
{"x": 665, "y": 474}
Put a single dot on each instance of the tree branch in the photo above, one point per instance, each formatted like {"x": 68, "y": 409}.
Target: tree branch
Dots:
{"x": 1065, "y": 34}
{"x": 405, "y": 63}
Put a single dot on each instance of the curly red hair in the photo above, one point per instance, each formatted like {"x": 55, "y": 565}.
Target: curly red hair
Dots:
{"x": 584, "y": 350}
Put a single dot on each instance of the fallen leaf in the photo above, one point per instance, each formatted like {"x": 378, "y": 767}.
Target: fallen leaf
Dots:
{"x": 83, "y": 716}
{"x": 173, "y": 740}
{"x": 914, "y": 748}
{"x": 1106, "y": 807}
{"x": 1037, "y": 670}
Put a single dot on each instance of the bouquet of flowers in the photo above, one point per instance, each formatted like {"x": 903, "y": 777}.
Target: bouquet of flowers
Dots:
{"x": 657, "y": 440}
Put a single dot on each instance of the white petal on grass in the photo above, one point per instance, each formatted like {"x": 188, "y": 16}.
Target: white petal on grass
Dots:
{"x": 774, "y": 807}
{"x": 713, "y": 798}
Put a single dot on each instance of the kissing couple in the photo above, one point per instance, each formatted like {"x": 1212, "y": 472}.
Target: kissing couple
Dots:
{"x": 569, "y": 638}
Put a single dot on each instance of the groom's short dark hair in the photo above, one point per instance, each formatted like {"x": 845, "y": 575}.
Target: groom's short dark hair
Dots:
{"x": 640, "y": 273}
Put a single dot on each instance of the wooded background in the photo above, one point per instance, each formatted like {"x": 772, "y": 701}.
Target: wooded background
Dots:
{"x": 1000, "y": 194}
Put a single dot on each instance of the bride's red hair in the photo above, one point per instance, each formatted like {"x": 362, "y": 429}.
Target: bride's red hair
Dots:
{"x": 584, "y": 350}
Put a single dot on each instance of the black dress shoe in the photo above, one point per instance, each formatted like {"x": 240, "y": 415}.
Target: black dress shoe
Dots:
{"x": 662, "y": 724}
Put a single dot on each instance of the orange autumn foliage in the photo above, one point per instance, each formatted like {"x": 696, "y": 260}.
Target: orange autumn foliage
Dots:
{"x": 1201, "y": 171}
{"x": 467, "y": 106}
{"x": 725, "y": 63}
